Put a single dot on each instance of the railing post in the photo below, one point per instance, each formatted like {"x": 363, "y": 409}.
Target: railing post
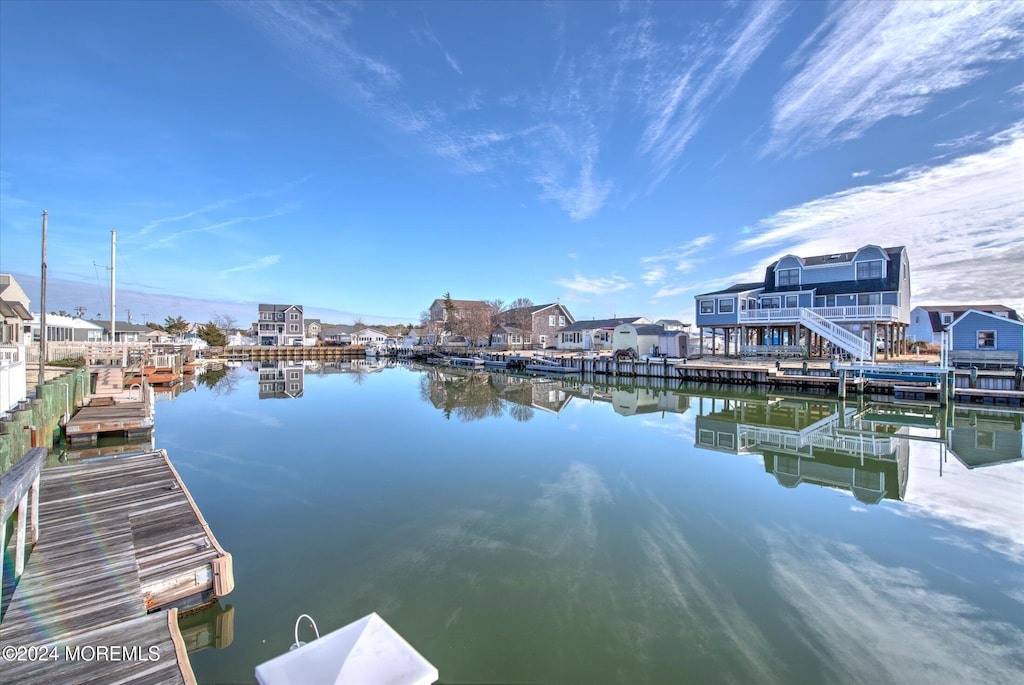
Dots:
{"x": 19, "y": 540}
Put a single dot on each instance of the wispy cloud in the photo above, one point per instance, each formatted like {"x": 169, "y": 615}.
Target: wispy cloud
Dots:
{"x": 872, "y": 60}
{"x": 679, "y": 94}
{"x": 681, "y": 259}
{"x": 962, "y": 223}
{"x": 595, "y": 286}
{"x": 221, "y": 204}
{"x": 861, "y": 174}
{"x": 171, "y": 238}
{"x": 261, "y": 263}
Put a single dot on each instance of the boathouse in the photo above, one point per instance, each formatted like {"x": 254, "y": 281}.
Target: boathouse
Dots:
{"x": 854, "y": 303}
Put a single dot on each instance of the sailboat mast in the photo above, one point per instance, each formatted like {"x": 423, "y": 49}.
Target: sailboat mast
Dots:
{"x": 42, "y": 318}
{"x": 113, "y": 266}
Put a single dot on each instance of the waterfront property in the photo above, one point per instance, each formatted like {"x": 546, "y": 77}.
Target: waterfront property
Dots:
{"x": 651, "y": 339}
{"x": 986, "y": 339}
{"x": 854, "y": 303}
{"x": 61, "y": 328}
{"x": 280, "y": 324}
{"x": 536, "y": 326}
{"x": 927, "y": 323}
{"x": 593, "y": 334}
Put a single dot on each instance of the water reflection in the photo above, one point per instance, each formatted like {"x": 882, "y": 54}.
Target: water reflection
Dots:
{"x": 212, "y": 626}
{"x": 470, "y": 396}
{"x": 280, "y": 380}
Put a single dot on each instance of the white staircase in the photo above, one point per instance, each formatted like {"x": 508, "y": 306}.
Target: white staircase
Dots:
{"x": 836, "y": 334}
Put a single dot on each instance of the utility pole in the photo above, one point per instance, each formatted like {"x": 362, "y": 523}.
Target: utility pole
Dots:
{"x": 113, "y": 265}
{"x": 42, "y": 318}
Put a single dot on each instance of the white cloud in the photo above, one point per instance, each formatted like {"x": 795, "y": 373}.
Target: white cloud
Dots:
{"x": 874, "y": 60}
{"x": 654, "y": 276}
{"x": 962, "y": 223}
{"x": 261, "y": 263}
{"x": 861, "y": 174}
{"x": 595, "y": 286}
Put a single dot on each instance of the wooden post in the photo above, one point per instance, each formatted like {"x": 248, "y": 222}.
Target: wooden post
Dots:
{"x": 34, "y": 492}
{"x": 19, "y": 540}
{"x": 842, "y": 384}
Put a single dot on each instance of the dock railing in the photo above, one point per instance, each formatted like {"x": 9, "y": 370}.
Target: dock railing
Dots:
{"x": 19, "y": 491}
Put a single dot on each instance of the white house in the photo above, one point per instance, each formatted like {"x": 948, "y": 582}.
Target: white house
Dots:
{"x": 641, "y": 338}
{"x": 66, "y": 329}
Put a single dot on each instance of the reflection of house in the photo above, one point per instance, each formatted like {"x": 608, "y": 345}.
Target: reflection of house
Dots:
{"x": 630, "y": 401}
{"x": 280, "y": 379}
{"x": 979, "y": 438}
{"x": 844, "y": 299}
{"x": 810, "y": 442}
{"x": 280, "y": 324}
{"x": 594, "y": 334}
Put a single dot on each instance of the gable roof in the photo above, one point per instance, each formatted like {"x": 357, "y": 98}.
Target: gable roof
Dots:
{"x": 599, "y": 323}
{"x": 890, "y": 282}
{"x": 957, "y": 310}
{"x": 735, "y": 288}
{"x": 988, "y": 314}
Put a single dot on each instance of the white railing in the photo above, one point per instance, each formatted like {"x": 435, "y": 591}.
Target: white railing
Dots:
{"x": 12, "y": 381}
{"x": 57, "y": 351}
{"x": 876, "y": 312}
{"x": 836, "y": 334}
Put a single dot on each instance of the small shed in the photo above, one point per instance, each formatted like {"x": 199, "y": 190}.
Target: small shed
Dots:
{"x": 986, "y": 339}
{"x": 642, "y": 338}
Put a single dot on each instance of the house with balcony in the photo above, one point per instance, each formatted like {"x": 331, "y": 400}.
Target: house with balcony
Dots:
{"x": 280, "y": 324}
{"x": 850, "y": 303}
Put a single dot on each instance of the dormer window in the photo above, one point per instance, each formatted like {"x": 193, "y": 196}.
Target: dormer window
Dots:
{"x": 946, "y": 318}
{"x": 788, "y": 277}
{"x": 869, "y": 269}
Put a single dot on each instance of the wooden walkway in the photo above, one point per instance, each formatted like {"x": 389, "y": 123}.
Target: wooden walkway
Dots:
{"x": 118, "y": 538}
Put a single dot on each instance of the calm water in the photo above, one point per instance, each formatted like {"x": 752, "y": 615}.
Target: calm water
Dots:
{"x": 559, "y": 532}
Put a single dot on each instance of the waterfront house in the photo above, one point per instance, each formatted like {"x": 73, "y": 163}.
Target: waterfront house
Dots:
{"x": 536, "y": 326}
{"x": 313, "y": 329}
{"x": 593, "y": 334}
{"x": 124, "y": 331}
{"x": 370, "y": 337}
{"x": 280, "y": 324}
{"x": 985, "y": 339}
{"x": 14, "y": 311}
{"x": 927, "y": 323}
{"x": 337, "y": 333}
{"x": 855, "y": 303}
{"x": 470, "y": 318}
{"x": 61, "y": 328}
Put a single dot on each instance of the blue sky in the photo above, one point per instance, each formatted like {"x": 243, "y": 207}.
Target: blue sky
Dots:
{"x": 363, "y": 159}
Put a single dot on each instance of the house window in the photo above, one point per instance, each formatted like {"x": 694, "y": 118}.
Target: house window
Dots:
{"x": 293, "y": 316}
{"x": 946, "y": 318}
{"x": 561, "y": 321}
{"x": 865, "y": 299}
{"x": 293, "y": 328}
{"x": 986, "y": 340}
{"x": 726, "y": 306}
{"x": 706, "y": 437}
{"x": 707, "y": 306}
{"x": 726, "y": 440}
{"x": 788, "y": 277}
{"x": 792, "y": 301}
{"x": 770, "y": 303}
{"x": 871, "y": 269}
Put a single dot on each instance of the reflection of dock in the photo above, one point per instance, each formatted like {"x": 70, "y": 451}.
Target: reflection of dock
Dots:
{"x": 116, "y": 539}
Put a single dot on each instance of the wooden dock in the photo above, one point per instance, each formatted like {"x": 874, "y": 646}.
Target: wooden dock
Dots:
{"x": 130, "y": 418}
{"x": 118, "y": 539}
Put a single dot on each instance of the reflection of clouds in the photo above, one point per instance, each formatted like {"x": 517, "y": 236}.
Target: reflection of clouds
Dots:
{"x": 571, "y": 501}
{"x": 256, "y": 417}
{"x": 875, "y": 623}
{"x": 986, "y": 500}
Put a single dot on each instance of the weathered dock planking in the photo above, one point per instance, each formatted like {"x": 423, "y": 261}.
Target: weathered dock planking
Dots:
{"x": 131, "y": 418}
{"x": 118, "y": 538}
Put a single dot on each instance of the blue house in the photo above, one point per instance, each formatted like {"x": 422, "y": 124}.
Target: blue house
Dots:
{"x": 857, "y": 303}
{"x": 984, "y": 339}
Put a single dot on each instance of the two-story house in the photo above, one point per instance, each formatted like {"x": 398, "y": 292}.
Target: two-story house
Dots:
{"x": 280, "y": 324}
{"x": 856, "y": 303}
{"x": 531, "y": 327}
{"x": 468, "y": 318}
